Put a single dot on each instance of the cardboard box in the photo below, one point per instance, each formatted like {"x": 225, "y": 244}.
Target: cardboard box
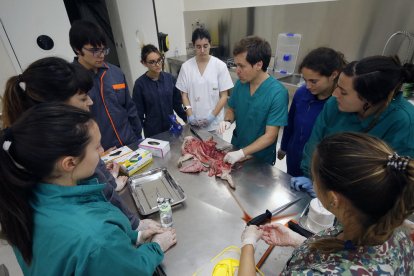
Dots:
{"x": 116, "y": 153}
{"x": 158, "y": 148}
{"x": 134, "y": 161}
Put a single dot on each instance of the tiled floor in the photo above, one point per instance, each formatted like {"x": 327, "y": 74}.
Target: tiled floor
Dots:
{"x": 6, "y": 253}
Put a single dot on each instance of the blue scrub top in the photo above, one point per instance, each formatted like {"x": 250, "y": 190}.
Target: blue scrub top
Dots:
{"x": 267, "y": 107}
{"x": 303, "y": 112}
{"x": 155, "y": 101}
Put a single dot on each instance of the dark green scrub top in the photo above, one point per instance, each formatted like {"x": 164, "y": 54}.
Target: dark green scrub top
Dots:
{"x": 395, "y": 126}
{"x": 78, "y": 232}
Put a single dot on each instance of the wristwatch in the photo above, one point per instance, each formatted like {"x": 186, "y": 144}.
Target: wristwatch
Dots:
{"x": 186, "y": 107}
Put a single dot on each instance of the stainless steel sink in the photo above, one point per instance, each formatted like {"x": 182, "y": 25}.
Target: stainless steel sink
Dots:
{"x": 294, "y": 79}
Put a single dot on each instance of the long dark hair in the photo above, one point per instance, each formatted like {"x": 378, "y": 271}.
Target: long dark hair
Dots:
{"x": 48, "y": 79}
{"x": 324, "y": 61}
{"x": 376, "y": 78}
{"x": 357, "y": 166}
{"x": 30, "y": 149}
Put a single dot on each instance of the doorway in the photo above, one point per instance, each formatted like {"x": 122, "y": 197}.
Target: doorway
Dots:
{"x": 95, "y": 11}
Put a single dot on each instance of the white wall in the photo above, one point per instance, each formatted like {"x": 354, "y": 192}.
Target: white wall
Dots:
{"x": 133, "y": 25}
{"x": 195, "y": 5}
{"x": 7, "y": 69}
{"x": 171, "y": 21}
{"x": 25, "y": 20}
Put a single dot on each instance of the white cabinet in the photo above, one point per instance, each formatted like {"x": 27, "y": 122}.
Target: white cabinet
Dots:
{"x": 23, "y": 21}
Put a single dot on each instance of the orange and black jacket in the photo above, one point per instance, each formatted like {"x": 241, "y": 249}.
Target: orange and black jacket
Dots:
{"x": 113, "y": 108}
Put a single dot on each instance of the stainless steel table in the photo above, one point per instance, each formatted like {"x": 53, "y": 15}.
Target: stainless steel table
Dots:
{"x": 210, "y": 219}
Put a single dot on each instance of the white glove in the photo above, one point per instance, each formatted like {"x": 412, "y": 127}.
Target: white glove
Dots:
{"x": 251, "y": 235}
{"x": 223, "y": 126}
{"x": 233, "y": 156}
{"x": 166, "y": 239}
{"x": 145, "y": 224}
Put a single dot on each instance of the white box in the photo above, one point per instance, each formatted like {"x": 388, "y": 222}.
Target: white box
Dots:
{"x": 158, "y": 148}
{"x": 134, "y": 161}
{"x": 116, "y": 153}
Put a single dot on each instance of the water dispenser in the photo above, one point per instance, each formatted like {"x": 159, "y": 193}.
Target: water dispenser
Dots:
{"x": 287, "y": 49}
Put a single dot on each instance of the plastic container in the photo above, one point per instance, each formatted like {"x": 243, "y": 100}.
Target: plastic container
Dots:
{"x": 224, "y": 264}
{"x": 164, "y": 206}
{"x": 287, "y": 50}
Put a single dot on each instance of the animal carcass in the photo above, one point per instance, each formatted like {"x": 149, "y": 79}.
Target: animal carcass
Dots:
{"x": 200, "y": 156}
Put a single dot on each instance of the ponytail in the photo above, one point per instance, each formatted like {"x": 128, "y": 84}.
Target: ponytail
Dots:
{"x": 29, "y": 151}
{"x": 15, "y": 101}
{"x": 48, "y": 79}
{"x": 366, "y": 171}
{"x": 16, "y": 214}
{"x": 403, "y": 208}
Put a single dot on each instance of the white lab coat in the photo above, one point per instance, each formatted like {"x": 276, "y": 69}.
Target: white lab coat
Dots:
{"x": 204, "y": 90}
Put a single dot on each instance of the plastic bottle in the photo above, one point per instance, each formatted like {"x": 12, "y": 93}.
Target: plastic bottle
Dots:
{"x": 164, "y": 206}
{"x": 287, "y": 52}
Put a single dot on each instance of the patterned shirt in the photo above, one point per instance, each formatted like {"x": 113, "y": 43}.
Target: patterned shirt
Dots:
{"x": 394, "y": 257}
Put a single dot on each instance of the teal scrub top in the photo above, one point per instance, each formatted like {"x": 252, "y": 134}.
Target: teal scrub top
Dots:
{"x": 395, "y": 126}
{"x": 267, "y": 107}
{"x": 77, "y": 232}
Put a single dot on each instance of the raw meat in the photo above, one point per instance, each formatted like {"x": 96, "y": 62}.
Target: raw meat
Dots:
{"x": 193, "y": 166}
{"x": 204, "y": 156}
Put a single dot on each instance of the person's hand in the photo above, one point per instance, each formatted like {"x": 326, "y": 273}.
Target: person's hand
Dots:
{"x": 223, "y": 126}
{"x": 280, "y": 235}
{"x": 192, "y": 120}
{"x": 206, "y": 121}
{"x": 166, "y": 239}
{"x": 233, "y": 156}
{"x": 210, "y": 118}
{"x": 302, "y": 183}
{"x": 146, "y": 235}
{"x": 120, "y": 182}
{"x": 281, "y": 154}
{"x": 251, "y": 235}
{"x": 113, "y": 168}
{"x": 145, "y": 224}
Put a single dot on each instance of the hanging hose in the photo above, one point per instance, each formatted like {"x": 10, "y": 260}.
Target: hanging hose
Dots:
{"x": 409, "y": 53}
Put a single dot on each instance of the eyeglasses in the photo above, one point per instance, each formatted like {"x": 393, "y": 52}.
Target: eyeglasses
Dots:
{"x": 153, "y": 62}
{"x": 96, "y": 52}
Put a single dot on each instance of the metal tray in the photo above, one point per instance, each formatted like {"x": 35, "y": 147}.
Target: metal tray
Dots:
{"x": 147, "y": 187}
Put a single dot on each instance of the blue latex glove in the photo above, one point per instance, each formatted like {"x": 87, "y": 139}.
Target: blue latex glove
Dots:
{"x": 207, "y": 121}
{"x": 302, "y": 183}
{"x": 210, "y": 118}
{"x": 192, "y": 120}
